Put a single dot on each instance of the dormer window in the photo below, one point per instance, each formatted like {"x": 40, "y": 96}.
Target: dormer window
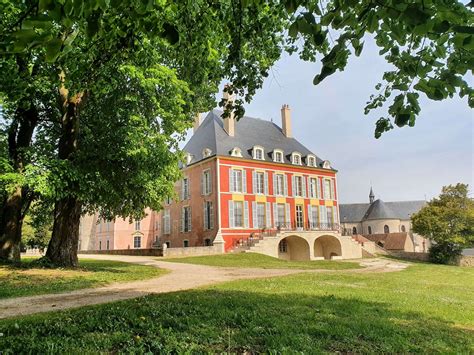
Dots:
{"x": 278, "y": 156}
{"x": 236, "y": 152}
{"x": 189, "y": 157}
{"x": 258, "y": 153}
{"x": 326, "y": 164}
{"x": 296, "y": 158}
{"x": 206, "y": 152}
{"x": 311, "y": 160}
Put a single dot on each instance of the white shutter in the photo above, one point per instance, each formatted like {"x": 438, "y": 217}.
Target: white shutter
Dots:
{"x": 246, "y": 214}
{"x": 209, "y": 182}
{"x": 285, "y": 184}
{"x": 211, "y": 215}
{"x": 266, "y": 183}
{"x": 244, "y": 181}
{"x": 182, "y": 219}
{"x": 205, "y": 216}
{"x": 274, "y": 183}
{"x": 293, "y": 186}
{"x": 323, "y": 216}
{"x": 310, "y": 217}
{"x": 254, "y": 182}
{"x": 275, "y": 215}
{"x": 288, "y": 215}
{"x": 269, "y": 215}
{"x": 318, "y": 187}
{"x": 231, "y": 180}
{"x": 254, "y": 215}
{"x": 231, "y": 214}
{"x": 333, "y": 189}
{"x": 182, "y": 190}
{"x": 203, "y": 181}
{"x": 190, "y": 219}
{"x": 303, "y": 179}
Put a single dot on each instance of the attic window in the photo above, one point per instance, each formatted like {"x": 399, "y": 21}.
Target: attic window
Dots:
{"x": 258, "y": 153}
{"x": 296, "y": 158}
{"x": 311, "y": 160}
{"x": 189, "y": 157}
{"x": 326, "y": 164}
{"x": 236, "y": 152}
{"x": 278, "y": 156}
{"x": 206, "y": 153}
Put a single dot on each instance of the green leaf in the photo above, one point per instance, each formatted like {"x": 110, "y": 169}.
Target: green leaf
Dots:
{"x": 53, "y": 49}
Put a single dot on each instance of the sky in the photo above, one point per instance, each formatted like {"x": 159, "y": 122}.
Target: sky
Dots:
{"x": 409, "y": 163}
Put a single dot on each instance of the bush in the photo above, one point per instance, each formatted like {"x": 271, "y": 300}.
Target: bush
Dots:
{"x": 444, "y": 253}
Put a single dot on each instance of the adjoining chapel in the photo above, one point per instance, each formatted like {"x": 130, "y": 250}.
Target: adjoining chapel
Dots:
{"x": 388, "y": 224}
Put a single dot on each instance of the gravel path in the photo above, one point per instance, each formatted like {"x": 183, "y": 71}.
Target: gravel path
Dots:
{"x": 180, "y": 277}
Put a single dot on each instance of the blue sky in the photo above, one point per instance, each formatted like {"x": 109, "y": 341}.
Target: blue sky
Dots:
{"x": 404, "y": 164}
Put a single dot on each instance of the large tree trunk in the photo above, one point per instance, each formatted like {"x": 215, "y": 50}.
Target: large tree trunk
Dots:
{"x": 62, "y": 248}
{"x": 16, "y": 203}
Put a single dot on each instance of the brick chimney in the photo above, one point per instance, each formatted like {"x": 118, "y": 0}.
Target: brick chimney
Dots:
{"x": 286, "y": 121}
{"x": 229, "y": 122}
{"x": 197, "y": 122}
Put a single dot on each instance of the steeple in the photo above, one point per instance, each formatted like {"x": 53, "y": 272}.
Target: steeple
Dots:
{"x": 371, "y": 195}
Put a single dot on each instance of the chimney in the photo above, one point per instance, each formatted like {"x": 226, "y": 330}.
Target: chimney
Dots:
{"x": 197, "y": 122}
{"x": 229, "y": 122}
{"x": 286, "y": 121}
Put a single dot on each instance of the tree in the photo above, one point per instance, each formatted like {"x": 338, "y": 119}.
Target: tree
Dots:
{"x": 448, "y": 221}
{"x": 126, "y": 78}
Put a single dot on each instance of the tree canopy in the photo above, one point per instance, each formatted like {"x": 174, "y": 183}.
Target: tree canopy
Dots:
{"x": 448, "y": 220}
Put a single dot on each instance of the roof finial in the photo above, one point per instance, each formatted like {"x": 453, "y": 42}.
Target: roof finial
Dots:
{"x": 371, "y": 195}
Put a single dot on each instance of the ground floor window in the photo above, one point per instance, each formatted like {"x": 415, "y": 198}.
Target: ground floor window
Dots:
{"x": 186, "y": 243}
{"x": 260, "y": 215}
{"x": 137, "y": 242}
{"x": 168, "y": 244}
{"x": 283, "y": 246}
{"x": 100, "y": 244}
{"x": 299, "y": 216}
{"x": 186, "y": 219}
{"x": 108, "y": 244}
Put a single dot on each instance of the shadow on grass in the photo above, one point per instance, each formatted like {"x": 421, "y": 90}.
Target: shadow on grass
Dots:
{"x": 234, "y": 321}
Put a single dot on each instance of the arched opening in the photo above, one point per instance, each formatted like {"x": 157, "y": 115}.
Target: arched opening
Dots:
{"x": 369, "y": 229}
{"x": 293, "y": 248}
{"x": 327, "y": 247}
{"x": 354, "y": 230}
{"x": 386, "y": 230}
{"x": 403, "y": 228}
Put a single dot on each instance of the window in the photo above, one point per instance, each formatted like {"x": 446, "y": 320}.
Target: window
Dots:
{"x": 328, "y": 191}
{"x": 299, "y": 216}
{"x": 236, "y": 152}
{"x": 283, "y": 246}
{"x": 258, "y": 153}
{"x": 206, "y": 182}
{"x": 330, "y": 215}
{"x": 166, "y": 222}
{"x": 168, "y": 244}
{"x": 260, "y": 215}
{"x": 278, "y": 156}
{"x": 369, "y": 229}
{"x": 108, "y": 244}
{"x": 313, "y": 188}
{"x": 311, "y": 160}
{"x": 207, "y": 242}
{"x": 296, "y": 158}
{"x": 386, "y": 229}
{"x": 237, "y": 181}
{"x": 137, "y": 225}
{"x": 313, "y": 216}
{"x": 208, "y": 215}
{"x": 298, "y": 188}
{"x": 354, "y": 230}
{"x": 403, "y": 228}
{"x": 186, "y": 219}
{"x": 137, "y": 242}
{"x": 186, "y": 243}
{"x": 238, "y": 214}
{"x": 206, "y": 153}
{"x": 279, "y": 184}
{"x": 100, "y": 244}
{"x": 259, "y": 183}
{"x": 326, "y": 164}
{"x": 185, "y": 189}
{"x": 280, "y": 215}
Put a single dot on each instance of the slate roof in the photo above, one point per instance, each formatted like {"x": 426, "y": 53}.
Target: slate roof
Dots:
{"x": 358, "y": 212}
{"x": 249, "y": 132}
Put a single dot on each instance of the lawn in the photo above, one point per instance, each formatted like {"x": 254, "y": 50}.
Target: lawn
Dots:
{"x": 254, "y": 260}
{"x": 28, "y": 280}
{"x": 425, "y": 308}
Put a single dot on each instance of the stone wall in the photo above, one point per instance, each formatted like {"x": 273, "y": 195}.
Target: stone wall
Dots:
{"x": 193, "y": 251}
{"x": 409, "y": 255}
{"x": 466, "y": 260}
{"x": 135, "y": 252}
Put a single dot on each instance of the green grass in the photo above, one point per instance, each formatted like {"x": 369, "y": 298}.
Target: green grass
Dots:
{"x": 254, "y": 260}
{"x": 426, "y": 308}
{"x": 29, "y": 280}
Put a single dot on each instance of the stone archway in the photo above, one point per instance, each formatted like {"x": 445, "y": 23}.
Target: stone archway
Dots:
{"x": 327, "y": 247}
{"x": 293, "y": 248}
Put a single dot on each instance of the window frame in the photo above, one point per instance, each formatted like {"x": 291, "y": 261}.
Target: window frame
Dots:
{"x": 135, "y": 238}
{"x": 311, "y": 158}
{"x": 241, "y": 204}
{"x": 278, "y": 152}
{"x": 295, "y": 155}
{"x": 258, "y": 150}
{"x": 300, "y": 185}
